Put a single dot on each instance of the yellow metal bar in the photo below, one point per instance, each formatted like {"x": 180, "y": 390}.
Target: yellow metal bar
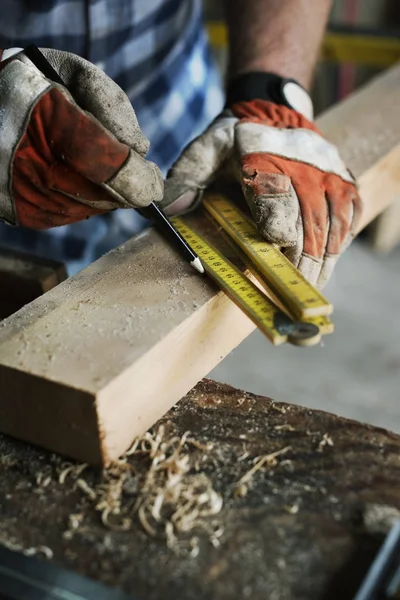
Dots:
{"x": 367, "y": 50}
{"x": 359, "y": 49}
{"x": 217, "y": 34}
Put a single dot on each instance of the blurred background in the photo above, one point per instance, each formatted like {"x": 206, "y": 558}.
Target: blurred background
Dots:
{"x": 356, "y": 372}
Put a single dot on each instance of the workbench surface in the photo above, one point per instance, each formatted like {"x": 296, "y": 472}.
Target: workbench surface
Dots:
{"x": 292, "y": 530}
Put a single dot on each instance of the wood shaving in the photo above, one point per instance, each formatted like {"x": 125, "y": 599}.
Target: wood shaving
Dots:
{"x": 74, "y": 522}
{"x": 267, "y": 459}
{"x": 240, "y": 491}
{"x": 243, "y": 456}
{"x": 86, "y": 489}
{"x": 72, "y": 470}
{"x": 285, "y": 427}
{"x": 44, "y": 550}
{"x": 293, "y": 510}
{"x": 326, "y": 441}
{"x": 43, "y": 480}
{"x": 281, "y": 409}
{"x": 168, "y": 491}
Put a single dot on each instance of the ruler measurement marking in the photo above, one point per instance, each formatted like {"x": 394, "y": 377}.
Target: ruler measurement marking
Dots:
{"x": 280, "y": 274}
{"x": 240, "y": 289}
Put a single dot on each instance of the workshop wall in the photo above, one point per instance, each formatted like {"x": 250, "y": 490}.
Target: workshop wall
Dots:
{"x": 371, "y": 21}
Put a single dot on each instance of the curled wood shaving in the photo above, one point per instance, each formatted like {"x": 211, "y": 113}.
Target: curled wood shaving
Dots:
{"x": 123, "y": 524}
{"x": 281, "y": 409}
{"x": 243, "y": 456}
{"x": 43, "y": 478}
{"x": 74, "y": 522}
{"x": 326, "y": 441}
{"x": 172, "y": 497}
{"x": 285, "y": 427}
{"x": 259, "y": 462}
{"x": 44, "y": 550}
{"x": 86, "y": 489}
{"x": 72, "y": 470}
{"x": 293, "y": 509}
{"x": 240, "y": 490}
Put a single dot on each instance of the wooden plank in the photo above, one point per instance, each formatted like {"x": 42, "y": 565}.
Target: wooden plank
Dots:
{"x": 100, "y": 358}
{"x": 384, "y": 234}
{"x": 24, "y": 277}
{"x": 366, "y": 128}
{"x": 307, "y": 528}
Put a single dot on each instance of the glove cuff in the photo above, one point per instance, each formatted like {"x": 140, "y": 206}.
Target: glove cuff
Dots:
{"x": 260, "y": 85}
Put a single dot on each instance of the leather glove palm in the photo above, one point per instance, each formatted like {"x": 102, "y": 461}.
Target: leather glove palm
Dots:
{"x": 298, "y": 189}
{"x": 66, "y": 155}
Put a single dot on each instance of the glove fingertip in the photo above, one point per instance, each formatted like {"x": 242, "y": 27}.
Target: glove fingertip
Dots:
{"x": 276, "y": 217}
{"x": 179, "y": 198}
{"x": 310, "y": 268}
{"x": 138, "y": 182}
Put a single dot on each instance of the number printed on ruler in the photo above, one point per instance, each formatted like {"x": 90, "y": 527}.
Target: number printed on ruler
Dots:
{"x": 301, "y": 298}
{"x": 236, "y": 285}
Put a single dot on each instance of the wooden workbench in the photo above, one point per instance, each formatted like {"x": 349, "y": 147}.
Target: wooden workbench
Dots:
{"x": 297, "y": 534}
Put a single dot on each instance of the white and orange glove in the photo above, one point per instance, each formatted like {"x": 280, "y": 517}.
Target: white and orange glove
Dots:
{"x": 298, "y": 189}
{"x": 68, "y": 155}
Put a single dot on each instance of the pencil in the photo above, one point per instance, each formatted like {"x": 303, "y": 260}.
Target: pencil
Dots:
{"x": 161, "y": 220}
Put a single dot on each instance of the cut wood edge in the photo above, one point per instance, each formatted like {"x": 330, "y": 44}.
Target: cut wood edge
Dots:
{"x": 384, "y": 233}
{"x": 209, "y": 332}
{"x": 31, "y": 414}
{"x": 379, "y": 186}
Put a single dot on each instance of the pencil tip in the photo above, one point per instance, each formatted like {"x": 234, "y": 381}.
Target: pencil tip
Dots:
{"x": 196, "y": 263}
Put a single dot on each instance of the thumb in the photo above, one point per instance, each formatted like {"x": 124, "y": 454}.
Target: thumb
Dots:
{"x": 197, "y": 166}
{"x": 272, "y": 200}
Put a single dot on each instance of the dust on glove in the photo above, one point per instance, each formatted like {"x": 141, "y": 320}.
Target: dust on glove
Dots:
{"x": 297, "y": 187}
{"x": 68, "y": 154}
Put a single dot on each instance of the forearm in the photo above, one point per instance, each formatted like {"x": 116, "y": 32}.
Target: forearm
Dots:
{"x": 281, "y": 36}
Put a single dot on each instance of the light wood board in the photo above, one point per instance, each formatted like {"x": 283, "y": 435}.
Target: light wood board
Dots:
{"x": 101, "y": 357}
{"x": 384, "y": 233}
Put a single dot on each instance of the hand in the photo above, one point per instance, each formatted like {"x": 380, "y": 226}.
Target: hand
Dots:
{"x": 66, "y": 155}
{"x": 298, "y": 189}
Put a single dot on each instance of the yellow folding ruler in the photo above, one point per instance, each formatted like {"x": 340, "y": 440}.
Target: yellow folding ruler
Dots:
{"x": 306, "y": 309}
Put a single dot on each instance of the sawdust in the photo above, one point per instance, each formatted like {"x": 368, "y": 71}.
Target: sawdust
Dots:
{"x": 164, "y": 489}
{"x": 326, "y": 441}
{"x": 161, "y": 483}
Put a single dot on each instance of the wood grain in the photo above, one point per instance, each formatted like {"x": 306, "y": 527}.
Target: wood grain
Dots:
{"x": 100, "y": 358}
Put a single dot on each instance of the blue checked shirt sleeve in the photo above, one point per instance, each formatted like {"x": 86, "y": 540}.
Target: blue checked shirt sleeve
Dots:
{"x": 157, "y": 51}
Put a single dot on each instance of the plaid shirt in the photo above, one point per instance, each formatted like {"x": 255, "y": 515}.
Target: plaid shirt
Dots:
{"x": 157, "y": 51}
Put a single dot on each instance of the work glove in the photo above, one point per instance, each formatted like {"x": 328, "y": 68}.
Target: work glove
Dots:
{"x": 68, "y": 154}
{"x": 299, "y": 192}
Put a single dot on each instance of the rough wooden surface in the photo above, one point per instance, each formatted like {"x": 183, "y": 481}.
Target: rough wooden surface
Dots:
{"x": 298, "y": 534}
{"x": 384, "y": 234}
{"x": 106, "y": 353}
